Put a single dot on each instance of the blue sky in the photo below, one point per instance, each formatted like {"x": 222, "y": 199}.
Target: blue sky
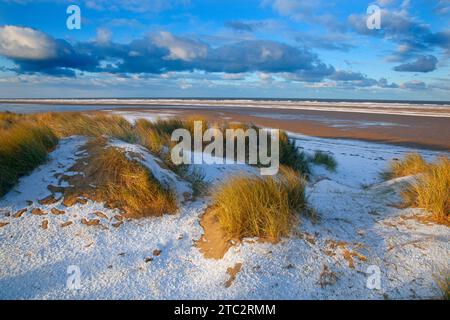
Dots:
{"x": 226, "y": 48}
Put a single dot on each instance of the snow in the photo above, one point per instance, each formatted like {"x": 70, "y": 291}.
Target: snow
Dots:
{"x": 164, "y": 176}
{"x": 353, "y": 203}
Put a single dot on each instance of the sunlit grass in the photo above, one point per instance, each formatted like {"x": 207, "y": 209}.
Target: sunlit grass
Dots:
{"x": 412, "y": 164}
{"x": 155, "y": 136}
{"x": 265, "y": 207}
{"x": 122, "y": 183}
{"x": 24, "y": 145}
{"x": 431, "y": 190}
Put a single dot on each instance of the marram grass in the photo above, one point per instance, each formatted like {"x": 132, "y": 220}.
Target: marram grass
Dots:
{"x": 264, "y": 207}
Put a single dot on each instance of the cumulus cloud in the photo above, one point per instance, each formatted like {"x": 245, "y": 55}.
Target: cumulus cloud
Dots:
{"x": 180, "y": 48}
{"x": 351, "y": 79}
{"x": 342, "y": 75}
{"x": 265, "y": 56}
{"x": 36, "y": 52}
{"x": 442, "y": 7}
{"x": 26, "y": 43}
{"x": 421, "y": 64}
{"x": 413, "y": 85}
{"x": 383, "y": 83}
{"x": 412, "y": 36}
{"x": 163, "y": 52}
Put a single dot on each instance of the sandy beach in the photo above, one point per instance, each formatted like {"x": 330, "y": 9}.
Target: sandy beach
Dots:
{"x": 400, "y": 123}
{"x": 406, "y": 130}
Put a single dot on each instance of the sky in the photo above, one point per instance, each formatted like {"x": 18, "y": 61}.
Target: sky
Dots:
{"x": 226, "y": 48}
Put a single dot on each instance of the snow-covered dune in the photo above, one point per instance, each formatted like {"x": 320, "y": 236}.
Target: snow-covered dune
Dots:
{"x": 156, "y": 258}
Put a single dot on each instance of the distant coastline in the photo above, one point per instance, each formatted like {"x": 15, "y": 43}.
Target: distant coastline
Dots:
{"x": 381, "y": 101}
{"x": 441, "y": 109}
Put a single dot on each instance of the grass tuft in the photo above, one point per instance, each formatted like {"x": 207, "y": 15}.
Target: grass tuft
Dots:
{"x": 412, "y": 164}
{"x": 325, "y": 159}
{"x": 152, "y": 136}
{"x": 24, "y": 145}
{"x": 262, "y": 207}
{"x": 431, "y": 190}
{"x": 292, "y": 157}
{"x": 120, "y": 182}
{"x": 197, "y": 178}
{"x": 95, "y": 125}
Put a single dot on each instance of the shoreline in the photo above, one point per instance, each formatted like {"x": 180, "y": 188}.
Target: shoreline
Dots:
{"x": 400, "y": 108}
{"x": 408, "y": 131}
{"x": 416, "y": 128}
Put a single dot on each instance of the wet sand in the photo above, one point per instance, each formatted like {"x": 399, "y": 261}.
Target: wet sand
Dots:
{"x": 406, "y": 130}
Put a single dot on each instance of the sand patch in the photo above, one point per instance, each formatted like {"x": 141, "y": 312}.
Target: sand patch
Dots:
{"x": 93, "y": 222}
{"x": 44, "y": 224}
{"x": 66, "y": 224}
{"x": 214, "y": 242}
{"x": 233, "y": 271}
{"x": 48, "y": 200}
{"x": 100, "y": 215}
{"x": 19, "y": 213}
{"x": 38, "y": 212}
{"x": 57, "y": 212}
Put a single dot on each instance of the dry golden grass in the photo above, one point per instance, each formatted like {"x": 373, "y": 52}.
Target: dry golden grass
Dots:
{"x": 149, "y": 137}
{"x": 262, "y": 207}
{"x": 25, "y": 140}
{"x": 412, "y": 164}
{"x": 24, "y": 145}
{"x": 7, "y": 119}
{"x": 97, "y": 124}
{"x": 431, "y": 190}
{"x": 155, "y": 136}
{"x": 120, "y": 182}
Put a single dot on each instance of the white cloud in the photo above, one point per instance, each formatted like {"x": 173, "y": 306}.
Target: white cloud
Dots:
{"x": 234, "y": 76}
{"x": 183, "y": 84}
{"x": 103, "y": 36}
{"x": 265, "y": 77}
{"x": 26, "y": 43}
{"x": 180, "y": 48}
